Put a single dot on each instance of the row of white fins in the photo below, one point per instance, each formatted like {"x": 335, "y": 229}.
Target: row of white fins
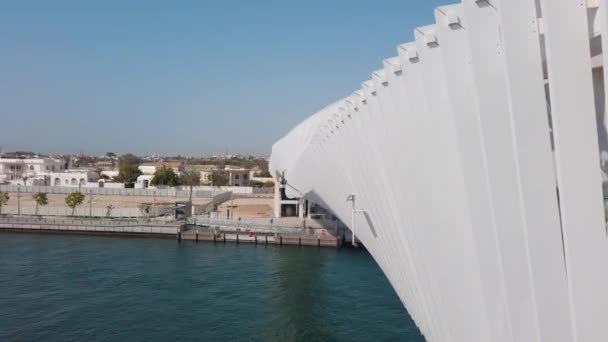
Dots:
{"x": 486, "y": 230}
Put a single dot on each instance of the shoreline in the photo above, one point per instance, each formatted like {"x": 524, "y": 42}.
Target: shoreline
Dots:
{"x": 177, "y": 232}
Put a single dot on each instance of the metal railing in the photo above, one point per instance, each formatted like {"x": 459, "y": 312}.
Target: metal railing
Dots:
{"x": 182, "y": 192}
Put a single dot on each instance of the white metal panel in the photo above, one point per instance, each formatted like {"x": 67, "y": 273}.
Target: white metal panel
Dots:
{"x": 406, "y": 143}
{"x": 391, "y": 145}
{"x": 535, "y": 168}
{"x": 428, "y": 235}
{"x": 470, "y": 316}
{"x": 488, "y": 71}
{"x": 463, "y": 100}
{"x": 470, "y": 95}
{"x": 578, "y": 169}
{"x": 405, "y": 140}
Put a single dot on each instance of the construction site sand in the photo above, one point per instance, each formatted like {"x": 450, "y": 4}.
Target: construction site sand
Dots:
{"x": 99, "y": 201}
{"x": 249, "y": 207}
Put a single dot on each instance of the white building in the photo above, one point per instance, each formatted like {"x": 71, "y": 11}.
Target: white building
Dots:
{"x": 143, "y": 181}
{"x": 151, "y": 168}
{"x": 74, "y": 178}
{"x": 44, "y": 171}
{"x": 236, "y": 176}
{"x": 147, "y": 168}
{"x": 32, "y": 171}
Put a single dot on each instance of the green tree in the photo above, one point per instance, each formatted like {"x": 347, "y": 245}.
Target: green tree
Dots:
{"x": 190, "y": 178}
{"x": 266, "y": 174}
{"x": 4, "y": 197}
{"x": 165, "y": 176}
{"x": 127, "y": 173}
{"x": 41, "y": 199}
{"x": 269, "y": 184}
{"x": 219, "y": 179}
{"x": 73, "y": 200}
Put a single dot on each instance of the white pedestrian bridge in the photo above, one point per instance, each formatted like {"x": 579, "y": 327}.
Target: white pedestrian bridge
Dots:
{"x": 472, "y": 165}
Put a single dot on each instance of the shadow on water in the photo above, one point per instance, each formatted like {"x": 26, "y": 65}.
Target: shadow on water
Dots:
{"x": 295, "y": 309}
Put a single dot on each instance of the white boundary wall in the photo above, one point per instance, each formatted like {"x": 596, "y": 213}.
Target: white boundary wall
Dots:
{"x": 484, "y": 208}
{"x": 178, "y": 191}
{"x": 81, "y": 211}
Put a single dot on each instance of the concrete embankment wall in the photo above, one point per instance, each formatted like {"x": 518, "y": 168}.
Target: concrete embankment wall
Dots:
{"x": 90, "y": 228}
{"x": 303, "y": 240}
{"x": 170, "y": 231}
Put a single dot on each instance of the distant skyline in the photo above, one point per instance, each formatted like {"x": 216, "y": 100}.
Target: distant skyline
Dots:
{"x": 187, "y": 77}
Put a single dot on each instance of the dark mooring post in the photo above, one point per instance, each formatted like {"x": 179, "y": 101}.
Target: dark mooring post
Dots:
{"x": 214, "y": 237}
{"x": 266, "y": 240}
{"x": 179, "y": 235}
{"x": 224, "y": 238}
{"x": 300, "y": 242}
{"x": 255, "y": 236}
{"x": 197, "y": 236}
{"x": 237, "y": 238}
{"x": 280, "y": 241}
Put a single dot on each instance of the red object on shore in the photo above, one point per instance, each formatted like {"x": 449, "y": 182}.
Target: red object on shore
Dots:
{"x": 250, "y": 233}
{"x": 323, "y": 232}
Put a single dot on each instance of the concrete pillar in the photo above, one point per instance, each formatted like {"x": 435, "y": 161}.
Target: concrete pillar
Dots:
{"x": 301, "y": 208}
{"x": 277, "y": 198}
{"x": 308, "y": 205}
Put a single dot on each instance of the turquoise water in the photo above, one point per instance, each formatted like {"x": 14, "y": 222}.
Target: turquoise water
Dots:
{"x": 75, "y": 288}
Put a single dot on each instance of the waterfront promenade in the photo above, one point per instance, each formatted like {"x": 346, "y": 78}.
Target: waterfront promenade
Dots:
{"x": 193, "y": 229}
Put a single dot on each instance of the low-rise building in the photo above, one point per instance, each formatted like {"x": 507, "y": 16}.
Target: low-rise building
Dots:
{"x": 74, "y": 178}
{"x": 44, "y": 171}
{"x": 151, "y": 168}
{"x": 105, "y": 165}
{"x": 236, "y": 176}
{"x": 143, "y": 181}
{"x": 29, "y": 170}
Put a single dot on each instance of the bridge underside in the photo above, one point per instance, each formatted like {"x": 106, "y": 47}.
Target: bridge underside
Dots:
{"x": 477, "y": 157}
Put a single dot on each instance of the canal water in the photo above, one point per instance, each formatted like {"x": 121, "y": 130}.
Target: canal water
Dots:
{"x": 75, "y": 288}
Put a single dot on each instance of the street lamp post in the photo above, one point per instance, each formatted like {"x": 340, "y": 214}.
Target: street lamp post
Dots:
{"x": 154, "y": 211}
{"x": 19, "y": 199}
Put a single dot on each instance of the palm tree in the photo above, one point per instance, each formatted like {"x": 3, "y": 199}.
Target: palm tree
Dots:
{"x": 73, "y": 200}
{"x": 4, "y": 197}
{"x": 41, "y": 199}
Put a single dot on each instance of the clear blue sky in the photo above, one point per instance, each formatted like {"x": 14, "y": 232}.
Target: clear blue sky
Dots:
{"x": 190, "y": 77}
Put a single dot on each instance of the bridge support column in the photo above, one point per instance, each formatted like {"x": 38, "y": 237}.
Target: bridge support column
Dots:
{"x": 308, "y": 205}
{"x": 301, "y": 208}
{"x": 277, "y": 197}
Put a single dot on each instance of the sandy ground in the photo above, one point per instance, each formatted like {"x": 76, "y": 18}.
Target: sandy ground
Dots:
{"x": 58, "y": 200}
{"x": 249, "y": 207}
{"x": 258, "y": 208}
{"x": 246, "y": 208}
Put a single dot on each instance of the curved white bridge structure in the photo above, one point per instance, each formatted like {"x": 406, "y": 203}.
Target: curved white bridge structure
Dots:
{"x": 475, "y": 159}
